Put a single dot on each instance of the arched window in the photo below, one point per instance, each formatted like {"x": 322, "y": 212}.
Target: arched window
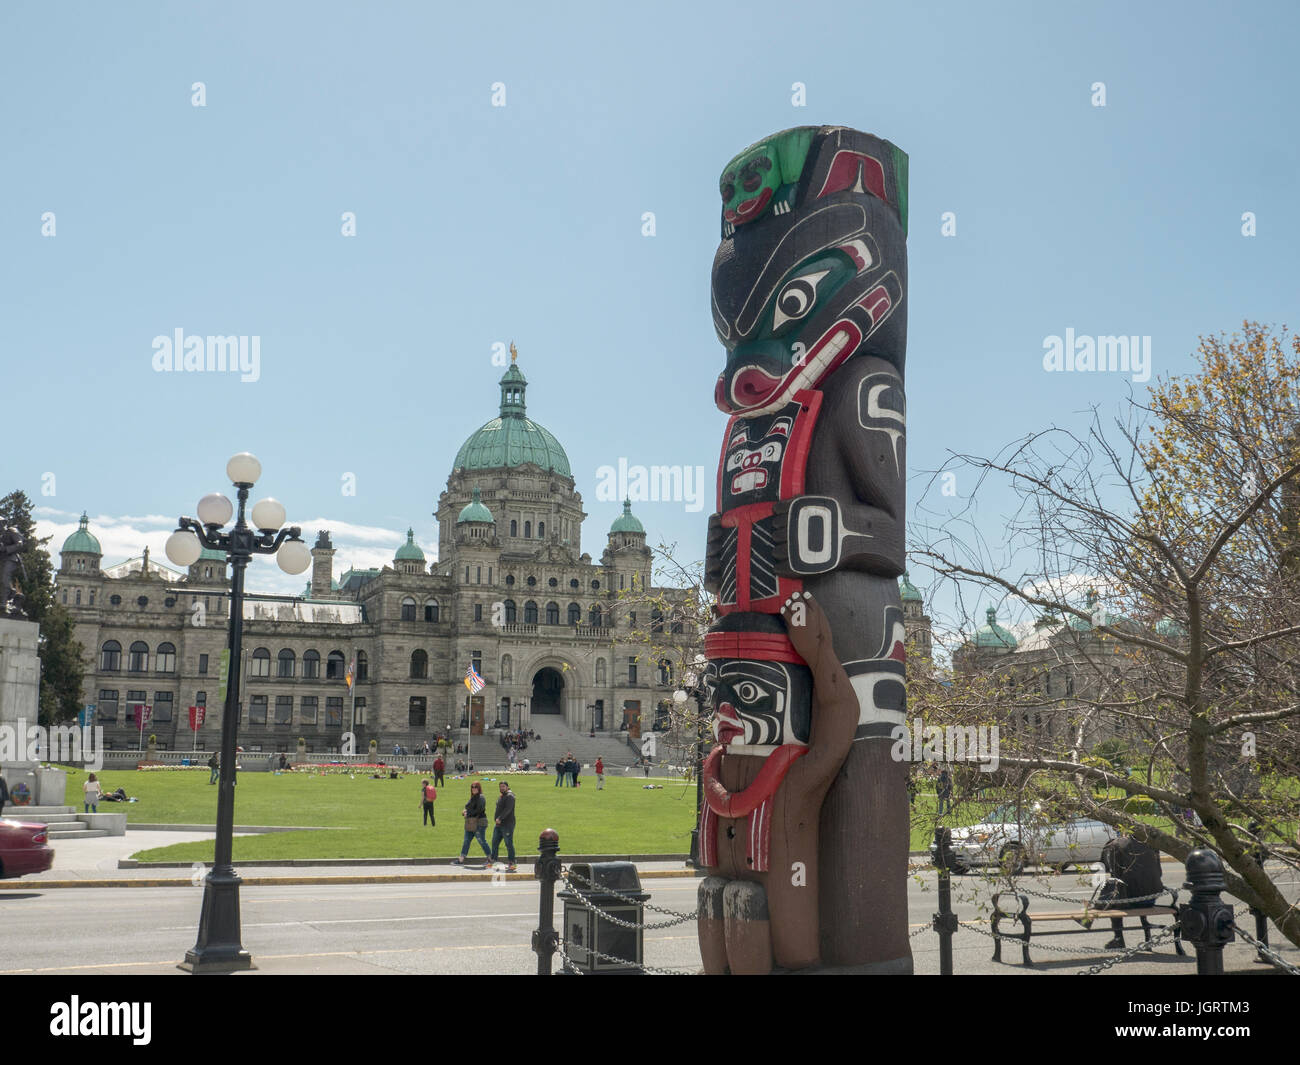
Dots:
{"x": 261, "y": 665}
{"x": 552, "y": 583}
{"x": 511, "y": 611}
{"x": 311, "y": 664}
{"x": 596, "y": 618}
{"x": 284, "y": 663}
{"x": 137, "y": 659}
{"x": 541, "y": 530}
{"x": 363, "y": 666}
{"x": 510, "y": 580}
{"x": 552, "y": 613}
{"x": 334, "y": 666}
{"x": 530, "y": 613}
{"x": 165, "y": 662}
{"x": 595, "y": 586}
{"x": 110, "y": 657}
{"x": 507, "y": 670}
{"x": 600, "y": 672}
{"x": 514, "y": 527}
{"x": 408, "y": 609}
{"x": 528, "y": 530}
{"x": 575, "y": 614}
{"x": 431, "y": 610}
{"x": 419, "y": 665}
{"x": 574, "y": 584}
{"x": 532, "y": 582}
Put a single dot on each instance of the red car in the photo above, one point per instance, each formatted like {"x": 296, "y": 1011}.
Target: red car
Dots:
{"x": 24, "y": 848}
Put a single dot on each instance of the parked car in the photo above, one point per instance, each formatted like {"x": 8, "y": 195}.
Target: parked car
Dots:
{"x": 1014, "y": 837}
{"x": 24, "y": 848}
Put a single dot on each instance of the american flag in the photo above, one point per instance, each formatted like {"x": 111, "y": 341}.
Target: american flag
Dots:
{"x": 473, "y": 681}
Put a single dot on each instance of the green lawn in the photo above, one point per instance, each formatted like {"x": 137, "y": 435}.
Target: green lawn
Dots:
{"x": 367, "y": 818}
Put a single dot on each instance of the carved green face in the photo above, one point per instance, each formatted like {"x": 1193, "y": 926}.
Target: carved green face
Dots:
{"x": 759, "y": 174}
{"x": 748, "y": 183}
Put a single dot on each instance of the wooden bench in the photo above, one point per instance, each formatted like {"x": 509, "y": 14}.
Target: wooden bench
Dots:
{"x": 1097, "y": 921}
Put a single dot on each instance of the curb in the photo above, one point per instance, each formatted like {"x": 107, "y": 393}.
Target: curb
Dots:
{"x": 324, "y": 881}
{"x": 362, "y": 863}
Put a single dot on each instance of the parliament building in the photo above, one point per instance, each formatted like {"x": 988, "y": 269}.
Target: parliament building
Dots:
{"x": 512, "y": 592}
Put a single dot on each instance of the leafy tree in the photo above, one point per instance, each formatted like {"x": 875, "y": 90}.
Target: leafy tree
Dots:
{"x": 62, "y": 670}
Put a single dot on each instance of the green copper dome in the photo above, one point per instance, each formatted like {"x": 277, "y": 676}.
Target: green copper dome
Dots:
{"x": 82, "y": 540}
{"x": 409, "y": 551}
{"x": 626, "y": 522}
{"x": 513, "y": 439}
{"x": 994, "y": 635}
{"x": 907, "y": 590}
{"x": 475, "y": 510}
{"x": 1167, "y": 626}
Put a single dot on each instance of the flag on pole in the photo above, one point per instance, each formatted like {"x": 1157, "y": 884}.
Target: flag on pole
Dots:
{"x": 473, "y": 681}
{"x": 352, "y": 669}
{"x": 142, "y": 713}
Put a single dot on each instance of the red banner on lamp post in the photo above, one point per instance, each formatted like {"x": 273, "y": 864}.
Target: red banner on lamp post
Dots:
{"x": 197, "y": 714}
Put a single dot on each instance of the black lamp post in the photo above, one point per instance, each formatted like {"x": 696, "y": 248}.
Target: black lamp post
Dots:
{"x": 695, "y": 680}
{"x": 219, "y": 948}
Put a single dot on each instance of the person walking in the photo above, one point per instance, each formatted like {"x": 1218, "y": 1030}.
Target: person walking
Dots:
{"x": 439, "y": 767}
{"x": 944, "y": 792}
{"x": 427, "y": 794}
{"x": 505, "y": 826}
{"x": 475, "y": 814}
{"x": 91, "y": 793}
{"x": 600, "y": 774}
{"x": 215, "y": 765}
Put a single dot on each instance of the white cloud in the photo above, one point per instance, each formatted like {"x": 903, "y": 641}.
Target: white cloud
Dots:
{"x": 126, "y": 536}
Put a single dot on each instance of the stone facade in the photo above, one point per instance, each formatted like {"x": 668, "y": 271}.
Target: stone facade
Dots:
{"x": 512, "y": 592}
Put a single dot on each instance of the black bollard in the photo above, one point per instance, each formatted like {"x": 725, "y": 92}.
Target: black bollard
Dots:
{"x": 547, "y": 870}
{"x": 1206, "y": 920}
{"x": 945, "y": 921}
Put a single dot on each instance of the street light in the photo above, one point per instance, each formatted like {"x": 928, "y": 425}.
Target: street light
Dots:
{"x": 219, "y": 948}
{"x": 695, "y": 681}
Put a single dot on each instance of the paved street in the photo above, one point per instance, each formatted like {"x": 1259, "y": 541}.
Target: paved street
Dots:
{"x": 466, "y": 925}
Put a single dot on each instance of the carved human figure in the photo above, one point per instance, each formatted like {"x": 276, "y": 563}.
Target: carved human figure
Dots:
{"x": 808, "y": 288}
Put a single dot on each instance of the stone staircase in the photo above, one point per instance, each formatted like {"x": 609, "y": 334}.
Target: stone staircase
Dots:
{"x": 62, "y": 822}
{"x": 557, "y": 739}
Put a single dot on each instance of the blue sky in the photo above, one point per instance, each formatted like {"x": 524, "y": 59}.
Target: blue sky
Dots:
{"x": 478, "y": 224}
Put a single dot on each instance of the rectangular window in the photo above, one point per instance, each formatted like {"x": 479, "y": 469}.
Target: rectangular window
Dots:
{"x": 478, "y": 574}
{"x": 134, "y": 699}
{"x": 631, "y": 671}
{"x": 257, "y": 710}
{"x": 478, "y": 611}
{"x": 307, "y": 710}
{"x": 477, "y": 658}
{"x": 92, "y": 594}
{"x": 203, "y": 664}
{"x": 361, "y": 710}
{"x": 106, "y": 708}
{"x": 162, "y": 705}
{"x": 78, "y": 602}
{"x": 334, "y": 711}
{"x": 284, "y": 710}
{"x": 416, "y": 712}
{"x": 92, "y": 597}
{"x": 467, "y": 575}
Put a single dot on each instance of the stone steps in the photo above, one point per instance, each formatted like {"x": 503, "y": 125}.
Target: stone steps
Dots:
{"x": 62, "y": 822}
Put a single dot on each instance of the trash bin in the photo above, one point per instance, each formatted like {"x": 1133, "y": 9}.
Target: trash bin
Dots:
{"x": 185, "y": 761}
{"x": 586, "y": 932}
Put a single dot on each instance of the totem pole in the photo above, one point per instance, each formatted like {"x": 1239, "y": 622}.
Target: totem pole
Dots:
{"x": 804, "y": 829}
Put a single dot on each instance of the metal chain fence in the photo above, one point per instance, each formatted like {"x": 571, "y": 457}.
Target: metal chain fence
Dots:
{"x": 1272, "y": 956}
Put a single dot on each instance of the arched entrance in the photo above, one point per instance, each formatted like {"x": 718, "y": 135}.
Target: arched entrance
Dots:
{"x": 548, "y": 691}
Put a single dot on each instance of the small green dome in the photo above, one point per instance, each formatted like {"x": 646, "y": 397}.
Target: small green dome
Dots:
{"x": 409, "y": 551}
{"x": 994, "y": 635}
{"x": 1167, "y": 626}
{"x": 626, "y": 522}
{"x": 907, "y": 591}
{"x": 82, "y": 540}
{"x": 475, "y": 510}
{"x": 513, "y": 439}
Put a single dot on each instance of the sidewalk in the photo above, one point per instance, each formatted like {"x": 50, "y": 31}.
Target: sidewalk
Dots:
{"x": 106, "y": 862}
